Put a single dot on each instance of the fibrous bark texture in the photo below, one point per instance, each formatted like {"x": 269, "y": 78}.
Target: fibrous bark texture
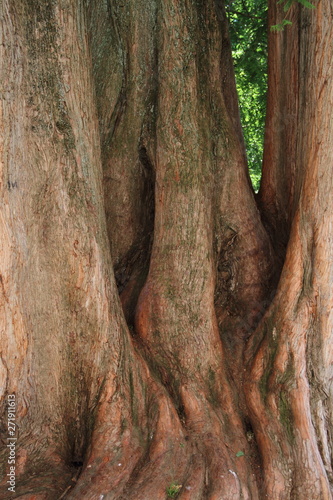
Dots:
{"x": 163, "y": 333}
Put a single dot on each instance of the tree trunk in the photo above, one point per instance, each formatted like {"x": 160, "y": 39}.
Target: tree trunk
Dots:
{"x": 289, "y": 385}
{"x": 150, "y": 342}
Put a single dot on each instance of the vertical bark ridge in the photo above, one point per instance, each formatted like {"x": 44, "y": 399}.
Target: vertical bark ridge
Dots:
{"x": 60, "y": 318}
{"x": 291, "y": 375}
{"x": 139, "y": 414}
{"x": 279, "y": 190}
{"x": 124, "y": 58}
{"x": 176, "y": 315}
{"x": 244, "y": 258}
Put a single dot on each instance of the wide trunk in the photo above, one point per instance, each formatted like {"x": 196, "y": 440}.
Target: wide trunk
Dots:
{"x": 149, "y": 340}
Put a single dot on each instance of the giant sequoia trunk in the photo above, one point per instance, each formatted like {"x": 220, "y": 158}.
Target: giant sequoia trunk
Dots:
{"x": 163, "y": 333}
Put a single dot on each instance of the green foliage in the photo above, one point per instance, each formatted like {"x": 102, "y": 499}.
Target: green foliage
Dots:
{"x": 173, "y": 490}
{"x": 280, "y": 26}
{"x": 248, "y": 32}
{"x": 286, "y": 7}
{"x": 289, "y": 3}
{"x": 240, "y": 454}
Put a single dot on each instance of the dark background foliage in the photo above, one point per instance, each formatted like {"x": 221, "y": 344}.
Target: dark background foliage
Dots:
{"x": 248, "y": 31}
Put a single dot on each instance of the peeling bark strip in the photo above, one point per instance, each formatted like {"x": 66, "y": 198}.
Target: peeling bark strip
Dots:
{"x": 152, "y": 346}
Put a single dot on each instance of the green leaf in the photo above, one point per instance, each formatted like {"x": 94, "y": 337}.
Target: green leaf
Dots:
{"x": 173, "y": 489}
{"x": 280, "y": 26}
{"x": 277, "y": 27}
{"x": 307, "y": 4}
{"x": 288, "y": 4}
{"x": 240, "y": 454}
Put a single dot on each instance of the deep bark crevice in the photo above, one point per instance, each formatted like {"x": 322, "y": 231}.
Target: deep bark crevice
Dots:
{"x": 131, "y": 272}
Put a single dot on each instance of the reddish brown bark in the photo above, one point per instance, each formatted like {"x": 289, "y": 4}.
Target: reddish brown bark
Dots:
{"x": 289, "y": 385}
{"x": 282, "y": 173}
{"x": 136, "y": 271}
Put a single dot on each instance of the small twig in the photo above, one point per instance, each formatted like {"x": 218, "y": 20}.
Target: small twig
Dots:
{"x": 64, "y": 493}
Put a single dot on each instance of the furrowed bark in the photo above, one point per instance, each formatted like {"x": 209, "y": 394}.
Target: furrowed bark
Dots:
{"x": 55, "y": 261}
{"x": 290, "y": 381}
{"x": 176, "y": 318}
{"x": 125, "y": 45}
{"x": 82, "y": 398}
{"x": 135, "y": 267}
{"x": 281, "y": 172}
